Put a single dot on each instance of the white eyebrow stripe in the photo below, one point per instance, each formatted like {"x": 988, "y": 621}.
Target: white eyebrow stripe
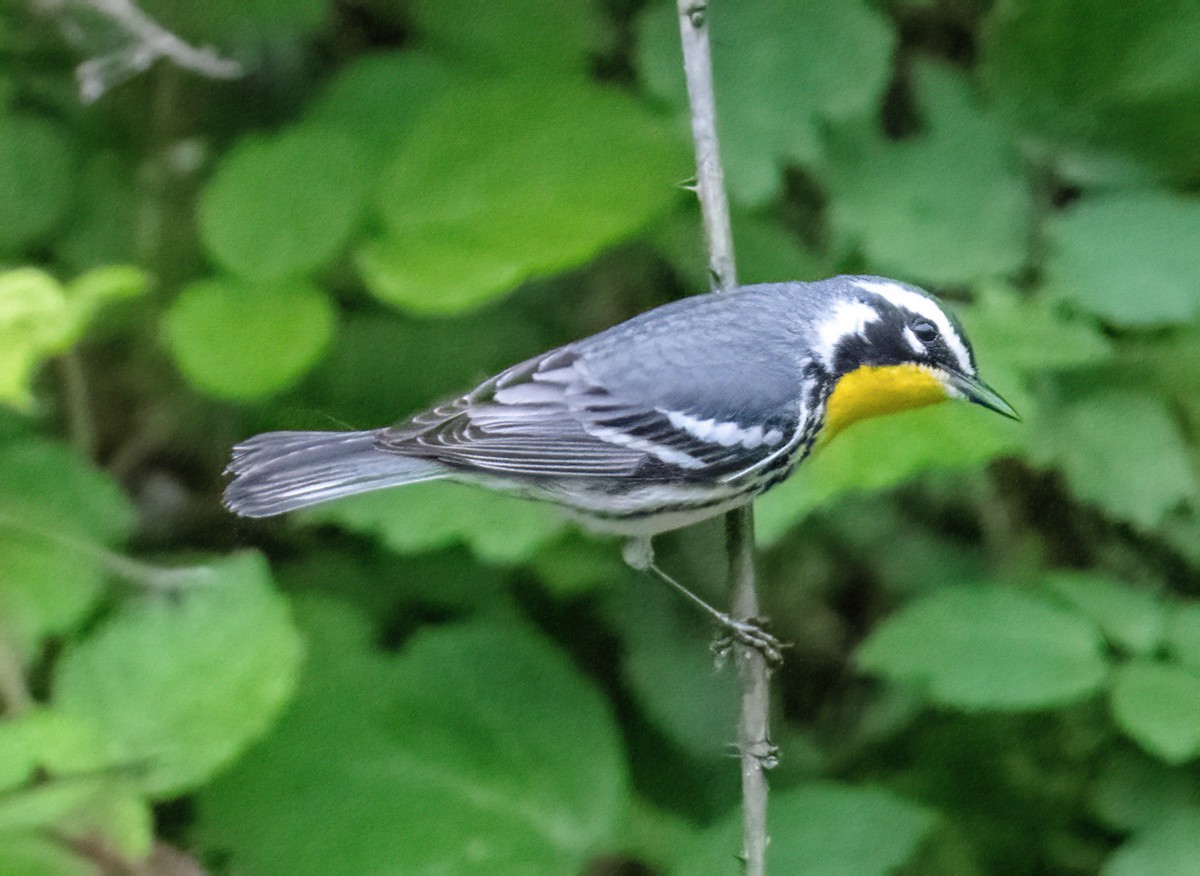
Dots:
{"x": 918, "y": 303}
{"x": 848, "y": 318}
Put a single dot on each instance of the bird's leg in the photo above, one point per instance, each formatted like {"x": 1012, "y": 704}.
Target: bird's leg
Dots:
{"x": 639, "y": 554}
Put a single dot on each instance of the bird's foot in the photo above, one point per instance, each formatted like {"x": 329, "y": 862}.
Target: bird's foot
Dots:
{"x": 749, "y": 633}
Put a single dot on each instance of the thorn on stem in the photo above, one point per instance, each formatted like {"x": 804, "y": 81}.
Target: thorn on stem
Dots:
{"x": 697, "y": 15}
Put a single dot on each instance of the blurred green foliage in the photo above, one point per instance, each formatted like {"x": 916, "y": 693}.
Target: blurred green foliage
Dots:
{"x": 997, "y": 626}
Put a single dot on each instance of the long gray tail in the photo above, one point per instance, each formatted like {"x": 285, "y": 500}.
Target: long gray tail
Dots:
{"x": 281, "y": 471}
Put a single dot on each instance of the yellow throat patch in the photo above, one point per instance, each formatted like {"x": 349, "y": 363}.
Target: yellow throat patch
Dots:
{"x": 871, "y": 391}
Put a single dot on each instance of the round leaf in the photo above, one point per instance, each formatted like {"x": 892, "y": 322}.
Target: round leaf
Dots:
{"x": 1096, "y": 83}
{"x": 508, "y": 180}
{"x": 906, "y": 204}
{"x": 1129, "y": 258}
{"x": 285, "y": 205}
{"x": 1158, "y": 704}
{"x": 1131, "y": 618}
{"x": 1170, "y": 847}
{"x": 242, "y": 341}
{"x": 181, "y": 682}
{"x": 1123, "y": 451}
{"x": 478, "y": 750}
{"x": 988, "y": 648}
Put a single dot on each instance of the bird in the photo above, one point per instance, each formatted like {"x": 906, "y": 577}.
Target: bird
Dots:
{"x": 674, "y": 416}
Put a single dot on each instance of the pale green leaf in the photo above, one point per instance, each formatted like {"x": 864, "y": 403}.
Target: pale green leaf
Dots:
{"x": 1132, "y": 618}
{"x": 1030, "y": 334}
{"x": 1098, "y": 85}
{"x": 181, "y": 682}
{"x": 1171, "y": 847}
{"x": 822, "y": 829}
{"x": 286, "y": 205}
{"x": 948, "y": 205}
{"x": 479, "y": 749}
{"x": 988, "y": 649}
{"x": 242, "y": 341}
{"x": 1122, "y": 451}
{"x": 1158, "y": 705}
{"x": 32, "y": 854}
{"x": 36, "y": 321}
{"x": 782, "y": 69}
{"x": 35, "y": 180}
{"x": 427, "y": 516}
{"x": 508, "y": 180}
{"x": 1129, "y": 258}
{"x": 39, "y": 318}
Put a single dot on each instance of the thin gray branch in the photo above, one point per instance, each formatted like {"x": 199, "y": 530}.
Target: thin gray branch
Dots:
{"x": 140, "y": 42}
{"x": 757, "y": 754}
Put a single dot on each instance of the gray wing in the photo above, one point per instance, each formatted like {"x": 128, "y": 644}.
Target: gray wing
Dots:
{"x": 550, "y": 417}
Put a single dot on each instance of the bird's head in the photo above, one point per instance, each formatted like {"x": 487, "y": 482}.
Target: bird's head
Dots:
{"x": 888, "y": 347}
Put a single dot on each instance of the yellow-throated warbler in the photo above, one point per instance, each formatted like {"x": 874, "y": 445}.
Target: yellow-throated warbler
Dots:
{"x": 669, "y": 418}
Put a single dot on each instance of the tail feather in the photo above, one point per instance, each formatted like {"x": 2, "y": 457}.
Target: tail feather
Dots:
{"x": 277, "y": 472}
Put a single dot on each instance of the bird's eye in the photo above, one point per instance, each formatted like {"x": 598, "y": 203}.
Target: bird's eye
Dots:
{"x": 925, "y": 332}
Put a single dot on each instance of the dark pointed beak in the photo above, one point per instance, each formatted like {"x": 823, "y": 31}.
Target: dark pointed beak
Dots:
{"x": 975, "y": 390}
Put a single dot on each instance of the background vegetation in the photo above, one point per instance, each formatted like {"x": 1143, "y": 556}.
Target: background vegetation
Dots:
{"x": 997, "y": 626}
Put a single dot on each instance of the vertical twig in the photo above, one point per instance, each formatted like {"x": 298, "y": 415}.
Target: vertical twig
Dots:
{"x": 753, "y": 744}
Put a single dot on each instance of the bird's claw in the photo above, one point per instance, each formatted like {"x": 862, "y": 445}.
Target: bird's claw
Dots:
{"x": 749, "y": 633}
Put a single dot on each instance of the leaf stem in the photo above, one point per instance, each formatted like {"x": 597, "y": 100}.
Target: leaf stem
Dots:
{"x": 757, "y": 754}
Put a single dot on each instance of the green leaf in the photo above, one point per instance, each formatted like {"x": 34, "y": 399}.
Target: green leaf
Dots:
{"x": 512, "y": 179}
{"x": 1183, "y": 634}
{"x": 376, "y": 99}
{"x": 1097, "y": 85}
{"x": 31, "y": 854}
{"x": 56, "y": 516}
{"x": 422, "y": 517}
{"x": 822, "y": 829}
{"x": 1158, "y": 705}
{"x": 1101, "y": 444}
{"x": 884, "y": 451}
{"x": 286, "y": 205}
{"x": 1169, "y": 848}
{"x": 35, "y": 180}
{"x": 478, "y": 749}
{"x": 906, "y": 204}
{"x": 550, "y": 36}
{"x": 240, "y": 341}
{"x": 782, "y": 69}
{"x": 35, "y": 323}
{"x": 1135, "y": 792}
{"x": 1129, "y": 258}
{"x": 39, "y": 318}
{"x": 1133, "y": 619}
{"x": 1029, "y": 333}
{"x": 182, "y": 682}
{"x": 988, "y": 648}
